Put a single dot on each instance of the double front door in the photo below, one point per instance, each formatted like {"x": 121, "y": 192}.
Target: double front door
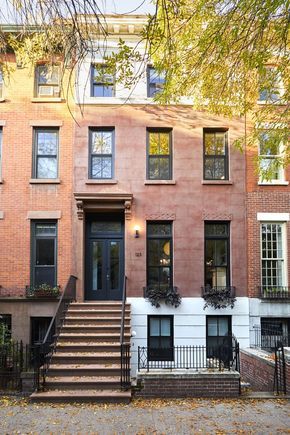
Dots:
{"x": 104, "y": 258}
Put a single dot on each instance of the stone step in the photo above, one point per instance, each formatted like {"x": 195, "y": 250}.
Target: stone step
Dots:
{"x": 107, "y": 396}
{"x": 101, "y": 328}
{"x": 82, "y": 383}
{"x": 87, "y": 347}
{"x": 84, "y": 370}
{"x": 75, "y": 320}
{"x": 86, "y": 358}
{"x": 91, "y": 337}
{"x": 97, "y": 305}
{"x": 97, "y": 312}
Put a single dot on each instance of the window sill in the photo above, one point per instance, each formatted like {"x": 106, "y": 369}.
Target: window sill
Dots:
{"x": 222, "y": 182}
{"x": 1, "y": 181}
{"x": 47, "y": 100}
{"x": 44, "y": 181}
{"x": 110, "y": 181}
{"x": 163, "y": 182}
{"x": 273, "y": 183}
{"x": 2, "y": 100}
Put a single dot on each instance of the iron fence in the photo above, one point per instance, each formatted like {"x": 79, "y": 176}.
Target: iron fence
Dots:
{"x": 267, "y": 338}
{"x": 274, "y": 292}
{"x": 222, "y": 357}
{"x": 15, "y": 358}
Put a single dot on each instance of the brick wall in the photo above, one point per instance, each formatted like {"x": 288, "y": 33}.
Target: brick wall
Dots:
{"x": 18, "y": 195}
{"x": 257, "y": 370}
{"x": 262, "y": 201}
{"x": 189, "y": 385}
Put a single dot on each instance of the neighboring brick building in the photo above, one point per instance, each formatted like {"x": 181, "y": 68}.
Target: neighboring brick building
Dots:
{"x": 268, "y": 235}
{"x": 36, "y": 161}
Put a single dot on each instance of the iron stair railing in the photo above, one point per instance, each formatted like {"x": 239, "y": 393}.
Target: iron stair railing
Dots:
{"x": 43, "y": 351}
{"x": 124, "y": 346}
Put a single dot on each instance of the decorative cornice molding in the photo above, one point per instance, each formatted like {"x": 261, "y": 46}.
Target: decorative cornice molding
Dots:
{"x": 103, "y": 201}
{"x": 216, "y": 216}
{"x": 165, "y": 216}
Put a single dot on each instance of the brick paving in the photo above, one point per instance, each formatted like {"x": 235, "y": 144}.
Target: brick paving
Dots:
{"x": 157, "y": 417}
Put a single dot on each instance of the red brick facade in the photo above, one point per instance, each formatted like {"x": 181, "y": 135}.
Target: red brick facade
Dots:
{"x": 19, "y": 113}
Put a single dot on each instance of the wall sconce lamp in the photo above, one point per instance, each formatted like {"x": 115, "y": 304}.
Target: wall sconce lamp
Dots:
{"x": 137, "y": 229}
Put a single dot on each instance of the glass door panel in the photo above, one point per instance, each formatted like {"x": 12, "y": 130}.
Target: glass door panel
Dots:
{"x": 97, "y": 265}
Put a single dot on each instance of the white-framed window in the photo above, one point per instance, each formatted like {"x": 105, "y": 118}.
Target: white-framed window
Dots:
{"x": 271, "y": 88}
{"x": 47, "y": 81}
{"x": 273, "y": 255}
{"x": 270, "y": 155}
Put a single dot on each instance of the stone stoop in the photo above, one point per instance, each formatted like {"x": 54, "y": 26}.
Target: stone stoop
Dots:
{"x": 85, "y": 366}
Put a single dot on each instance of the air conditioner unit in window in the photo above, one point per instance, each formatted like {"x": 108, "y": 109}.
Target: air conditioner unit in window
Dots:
{"x": 45, "y": 91}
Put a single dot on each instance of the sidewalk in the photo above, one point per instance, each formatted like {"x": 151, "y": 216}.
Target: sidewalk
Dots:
{"x": 178, "y": 417}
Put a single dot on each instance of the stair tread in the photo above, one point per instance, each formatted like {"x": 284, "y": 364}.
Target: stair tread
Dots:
{"x": 79, "y": 334}
{"x": 87, "y": 343}
{"x": 86, "y": 354}
{"x": 84, "y": 366}
{"x": 82, "y": 379}
{"x": 81, "y": 393}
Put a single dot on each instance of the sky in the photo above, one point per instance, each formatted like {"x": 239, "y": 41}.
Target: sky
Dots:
{"x": 107, "y": 6}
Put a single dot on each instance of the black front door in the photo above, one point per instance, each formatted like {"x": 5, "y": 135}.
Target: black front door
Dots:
{"x": 104, "y": 257}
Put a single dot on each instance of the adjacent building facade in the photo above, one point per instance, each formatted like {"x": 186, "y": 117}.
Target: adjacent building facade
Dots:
{"x": 127, "y": 187}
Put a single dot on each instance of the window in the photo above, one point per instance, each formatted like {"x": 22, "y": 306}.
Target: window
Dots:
{"x": 159, "y": 151}
{"x": 160, "y": 338}
{"x": 47, "y": 81}
{"x": 159, "y": 255}
{"x": 1, "y": 84}
{"x": 43, "y": 253}
{"x": 155, "y": 81}
{"x": 218, "y": 331}
{"x": 45, "y": 153}
{"x": 270, "y": 149}
{"x": 217, "y": 273}
{"x": 215, "y": 146}
{"x": 273, "y": 330}
{"x": 273, "y": 255}
{"x": 102, "y": 82}
{"x": 271, "y": 85}
{"x": 101, "y": 153}
{"x": 39, "y": 327}
{"x": 5, "y": 327}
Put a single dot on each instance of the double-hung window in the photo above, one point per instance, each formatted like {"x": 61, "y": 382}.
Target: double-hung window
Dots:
{"x": 271, "y": 85}
{"x": 160, "y": 338}
{"x": 215, "y": 148}
{"x": 102, "y": 81}
{"x": 270, "y": 149}
{"x": 159, "y": 154}
{"x": 217, "y": 253}
{"x": 273, "y": 256}
{"x": 155, "y": 81}
{"x": 101, "y": 153}
{"x": 43, "y": 253}
{"x": 47, "y": 81}
{"x": 46, "y": 153}
{"x": 159, "y": 255}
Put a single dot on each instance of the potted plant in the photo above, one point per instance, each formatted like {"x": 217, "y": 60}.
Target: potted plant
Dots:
{"x": 43, "y": 291}
{"x": 167, "y": 294}
{"x": 218, "y": 297}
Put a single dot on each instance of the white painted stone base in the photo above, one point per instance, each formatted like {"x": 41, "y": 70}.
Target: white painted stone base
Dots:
{"x": 189, "y": 322}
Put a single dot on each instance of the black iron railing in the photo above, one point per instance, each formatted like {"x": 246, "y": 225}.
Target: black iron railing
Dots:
{"x": 267, "y": 338}
{"x": 280, "y": 370}
{"x": 43, "y": 352}
{"x": 191, "y": 357}
{"x": 125, "y": 380}
{"x": 15, "y": 358}
{"x": 228, "y": 291}
{"x": 274, "y": 292}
